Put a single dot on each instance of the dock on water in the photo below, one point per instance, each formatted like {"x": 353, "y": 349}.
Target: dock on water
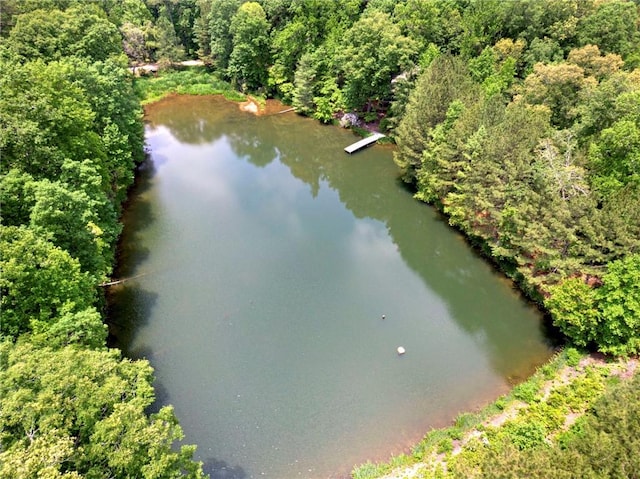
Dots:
{"x": 358, "y": 145}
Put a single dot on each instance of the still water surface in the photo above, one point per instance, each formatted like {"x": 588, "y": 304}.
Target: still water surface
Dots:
{"x": 265, "y": 258}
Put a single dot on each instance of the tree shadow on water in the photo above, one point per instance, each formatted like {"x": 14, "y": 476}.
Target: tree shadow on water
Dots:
{"x": 128, "y": 309}
{"x": 221, "y": 470}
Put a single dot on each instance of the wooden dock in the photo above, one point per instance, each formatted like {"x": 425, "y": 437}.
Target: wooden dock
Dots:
{"x": 358, "y": 145}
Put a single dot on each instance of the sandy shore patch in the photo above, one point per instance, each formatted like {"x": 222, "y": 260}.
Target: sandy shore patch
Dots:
{"x": 250, "y": 106}
{"x": 267, "y": 107}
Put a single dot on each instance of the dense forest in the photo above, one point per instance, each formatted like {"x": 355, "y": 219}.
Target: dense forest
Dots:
{"x": 519, "y": 120}
{"x": 70, "y": 137}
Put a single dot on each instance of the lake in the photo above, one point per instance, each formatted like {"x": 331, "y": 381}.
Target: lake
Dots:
{"x": 273, "y": 279}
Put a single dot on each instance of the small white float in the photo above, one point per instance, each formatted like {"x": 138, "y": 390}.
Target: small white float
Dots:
{"x": 401, "y": 350}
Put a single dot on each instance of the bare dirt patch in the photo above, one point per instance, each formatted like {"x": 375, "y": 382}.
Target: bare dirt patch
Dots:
{"x": 268, "y": 107}
{"x": 250, "y": 106}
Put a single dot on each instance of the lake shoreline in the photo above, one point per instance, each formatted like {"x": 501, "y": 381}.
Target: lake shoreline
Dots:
{"x": 567, "y": 369}
{"x": 275, "y": 108}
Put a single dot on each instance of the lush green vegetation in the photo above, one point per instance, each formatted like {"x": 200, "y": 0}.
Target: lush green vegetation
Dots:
{"x": 70, "y": 136}
{"x": 520, "y": 120}
{"x": 80, "y": 412}
{"x": 575, "y": 418}
{"x": 523, "y": 174}
{"x": 194, "y": 81}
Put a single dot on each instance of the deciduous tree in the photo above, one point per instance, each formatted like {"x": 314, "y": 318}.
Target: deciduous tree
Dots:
{"x": 372, "y": 52}
{"x": 39, "y": 282}
{"x": 613, "y": 26}
{"x": 54, "y": 34}
{"x": 81, "y": 413}
{"x": 219, "y": 22}
{"x": 249, "y": 58}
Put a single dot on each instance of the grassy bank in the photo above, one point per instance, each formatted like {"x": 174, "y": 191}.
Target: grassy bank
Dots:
{"x": 544, "y": 415}
{"x": 194, "y": 81}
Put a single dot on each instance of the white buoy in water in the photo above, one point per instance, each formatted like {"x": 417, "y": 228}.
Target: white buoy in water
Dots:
{"x": 401, "y": 350}
{"x": 383, "y": 316}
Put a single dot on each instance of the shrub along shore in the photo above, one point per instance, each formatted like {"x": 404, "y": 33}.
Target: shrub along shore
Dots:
{"x": 575, "y": 417}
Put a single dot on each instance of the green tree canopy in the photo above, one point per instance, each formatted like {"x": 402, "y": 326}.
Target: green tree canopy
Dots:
{"x": 445, "y": 80}
{"x": 44, "y": 118}
{"x": 220, "y": 13}
{"x": 16, "y": 197}
{"x": 65, "y": 217}
{"x": 615, "y": 157}
{"x": 372, "y": 51}
{"x": 609, "y": 315}
{"x": 249, "y": 58}
{"x": 39, "y": 281}
{"x": 70, "y": 109}
{"x": 73, "y": 413}
{"x": 613, "y": 26}
{"x": 54, "y": 34}
{"x": 556, "y": 86}
{"x": 425, "y": 22}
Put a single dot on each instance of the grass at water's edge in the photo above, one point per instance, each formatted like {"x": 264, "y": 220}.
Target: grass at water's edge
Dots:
{"x": 194, "y": 81}
{"x": 551, "y": 400}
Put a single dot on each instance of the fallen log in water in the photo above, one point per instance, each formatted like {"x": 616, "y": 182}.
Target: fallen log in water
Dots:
{"x": 120, "y": 281}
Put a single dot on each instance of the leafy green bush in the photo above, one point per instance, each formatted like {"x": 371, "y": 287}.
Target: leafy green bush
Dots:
{"x": 582, "y": 390}
{"x": 552, "y": 417}
{"x": 573, "y": 356}
{"x": 527, "y": 391}
{"x": 573, "y": 434}
{"x": 466, "y": 420}
{"x": 500, "y": 403}
{"x": 456, "y": 433}
{"x": 445, "y": 446}
{"x": 369, "y": 470}
{"x": 608, "y": 316}
{"x": 526, "y": 435}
